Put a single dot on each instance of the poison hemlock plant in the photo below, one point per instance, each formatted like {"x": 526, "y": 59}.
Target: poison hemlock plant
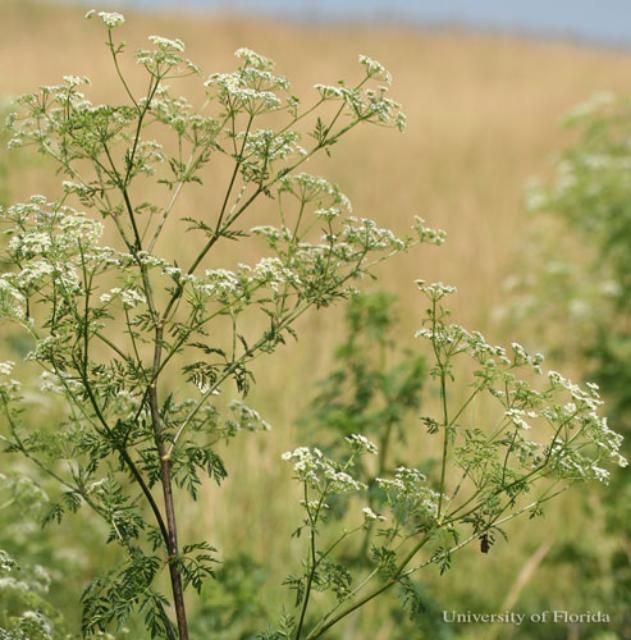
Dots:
{"x": 113, "y": 325}
{"x": 546, "y": 435}
{"x": 142, "y": 351}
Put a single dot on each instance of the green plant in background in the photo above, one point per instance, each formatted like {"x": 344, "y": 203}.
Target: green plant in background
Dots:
{"x": 373, "y": 389}
{"x": 231, "y": 607}
{"x": 587, "y": 282}
{"x": 25, "y": 610}
{"x": 150, "y": 360}
{"x": 591, "y": 197}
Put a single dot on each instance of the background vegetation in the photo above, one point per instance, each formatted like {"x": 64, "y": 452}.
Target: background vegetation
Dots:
{"x": 484, "y": 114}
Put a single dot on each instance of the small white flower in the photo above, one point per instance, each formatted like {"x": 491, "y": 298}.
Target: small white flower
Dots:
{"x": 167, "y": 43}
{"x": 361, "y": 443}
{"x": 516, "y": 416}
{"x": 375, "y": 69}
{"x": 602, "y": 475}
{"x": 435, "y": 290}
{"x": 253, "y": 59}
{"x": 371, "y": 516}
{"x": 6, "y": 367}
{"x": 329, "y": 92}
{"x": 111, "y": 19}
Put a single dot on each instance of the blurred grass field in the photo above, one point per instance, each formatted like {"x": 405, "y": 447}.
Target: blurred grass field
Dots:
{"x": 483, "y": 113}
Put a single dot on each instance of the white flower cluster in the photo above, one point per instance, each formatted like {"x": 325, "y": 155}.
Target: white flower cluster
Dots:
{"x": 269, "y": 145}
{"x": 263, "y": 148}
{"x": 6, "y": 367}
{"x": 374, "y": 69}
{"x": 518, "y": 417}
{"x": 582, "y": 439}
{"x": 435, "y": 291}
{"x": 34, "y": 624}
{"x": 365, "y": 234}
{"x": 264, "y": 79}
{"x": 570, "y": 464}
{"x": 309, "y": 188}
{"x": 307, "y": 462}
{"x": 38, "y": 273}
{"x": 327, "y": 213}
{"x": 340, "y": 482}
{"x": 167, "y": 43}
{"x": 29, "y": 245}
{"x": 254, "y": 59}
{"x": 149, "y": 153}
{"x": 521, "y": 357}
{"x": 329, "y": 92}
{"x": 427, "y": 234}
{"x": 273, "y": 273}
{"x": 49, "y": 242}
{"x": 166, "y": 57}
{"x": 371, "y": 516}
{"x": 245, "y": 419}
{"x": 383, "y": 110}
{"x": 312, "y": 467}
{"x": 361, "y": 443}
{"x": 409, "y": 496}
{"x": 582, "y": 414}
{"x": 235, "y": 288}
{"x": 46, "y": 349}
{"x": 7, "y": 563}
{"x": 222, "y": 284}
{"x": 252, "y": 87}
{"x": 368, "y": 105}
{"x": 492, "y": 357}
{"x": 12, "y": 301}
{"x": 76, "y": 81}
{"x": 111, "y": 19}
{"x": 273, "y": 235}
{"x": 83, "y": 192}
{"x": 50, "y": 383}
{"x": 9, "y": 388}
{"x": 129, "y": 296}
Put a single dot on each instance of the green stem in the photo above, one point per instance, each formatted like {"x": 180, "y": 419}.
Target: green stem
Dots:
{"x": 318, "y": 632}
{"x": 314, "y": 564}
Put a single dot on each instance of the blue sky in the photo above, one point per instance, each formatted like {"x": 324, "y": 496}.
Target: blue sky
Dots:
{"x": 607, "y": 21}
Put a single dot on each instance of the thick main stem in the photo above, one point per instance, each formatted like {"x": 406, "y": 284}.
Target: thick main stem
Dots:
{"x": 174, "y": 572}
{"x": 169, "y": 504}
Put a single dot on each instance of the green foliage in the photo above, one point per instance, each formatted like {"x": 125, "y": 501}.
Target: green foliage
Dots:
{"x": 373, "y": 389}
{"x": 230, "y": 606}
{"x": 589, "y": 203}
{"x": 591, "y": 198}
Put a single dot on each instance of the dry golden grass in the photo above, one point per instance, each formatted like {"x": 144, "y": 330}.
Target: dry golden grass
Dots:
{"x": 483, "y": 115}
